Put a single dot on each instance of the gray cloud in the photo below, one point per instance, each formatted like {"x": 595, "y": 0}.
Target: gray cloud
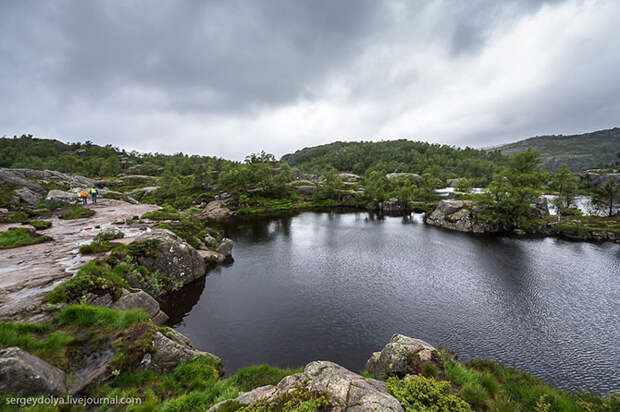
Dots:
{"x": 231, "y": 77}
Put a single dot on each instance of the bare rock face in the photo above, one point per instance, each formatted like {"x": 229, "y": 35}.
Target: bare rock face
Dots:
{"x": 225, "y": 247}
{"x": 216, "y": 211}
{"x": 172, "y": 262}
{"x": 402, "y": 355}
{"x": 61, "y": 197}
{"x": 171, "y": 349}
{"x": 143, "y": 301}
{"x": 348, "y": 391}
{"x": 460, "y": 215}
{"x": 12, "y": 177}
{"x": 24, "y": 374}
{"x": 27, "y": 195}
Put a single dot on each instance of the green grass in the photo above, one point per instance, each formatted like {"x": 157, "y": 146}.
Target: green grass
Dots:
{"x": 15, "y": 217}
{"x": 98, "y": 316}
{"x": 40, "y": 224}
{"x": 101, "y": 243}
{"x": 38, "y": 338}
{"x": 16, "y": 237}
{"x": 260, "y": 375}
{"x": 76, "y": 212}
{"x": 167, "y": 213}
{"x": 417, "y": 393}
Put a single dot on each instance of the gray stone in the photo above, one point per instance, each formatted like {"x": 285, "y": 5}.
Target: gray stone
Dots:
{"x": 304, "y": 189}
{"x": 171, "y": 349}
{"x": 62, "y": 197}
{"x": 402, "y": 355}
{"x": 460, "y": 215}
{"x": 216, "y": 210}
{"x": 27, "y": 195}
{"x": 173, "y": 258}
{"x": 24, "y": 374}
{"x": 225, "y": 247}
{"x": 348, "y": 391}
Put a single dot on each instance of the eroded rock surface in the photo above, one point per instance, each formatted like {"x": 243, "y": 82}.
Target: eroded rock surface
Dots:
{"x": 402, "y": 355}
{"x": 171, "y": 349}
{"x": 460, "y": 215}
{"x": 347, "y": 390}
{"x": 24, "y": 374}
{"x": 216, "y": 211}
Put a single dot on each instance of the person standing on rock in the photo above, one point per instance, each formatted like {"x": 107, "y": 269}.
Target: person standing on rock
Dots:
{"x": 84, "y": 197}
{"x": 93, "y": 194}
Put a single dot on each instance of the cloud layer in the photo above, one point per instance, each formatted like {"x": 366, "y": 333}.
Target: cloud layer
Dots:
{"x": 227, "y": 78}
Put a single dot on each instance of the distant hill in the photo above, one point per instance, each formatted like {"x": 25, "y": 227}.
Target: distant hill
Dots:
{"x": 581, "y": 151}
{"x": 442, "y": 161}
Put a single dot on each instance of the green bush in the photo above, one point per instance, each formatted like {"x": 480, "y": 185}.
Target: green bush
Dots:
{"x": 34, "y": 337}
{"x": 15, "y": 217}
{"x": 417, "y": 393}
{"x": 16, "y": 237}
{"x": 40, "y": 224}
{"x": 260, "y": 375}
{"x": 76, "y": 212}
{"x": 474, "y": 394}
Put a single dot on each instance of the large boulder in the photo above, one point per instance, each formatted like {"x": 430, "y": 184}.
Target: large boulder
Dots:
{"x": 171, "y": 348}
{"x": 347, "y": 390}
{"x": 598, "y": 178}
{"x": 12, "y": 177}
{"x": 172, "y": 262}
{"x": 24, "y": 374}
{"x": 460, "y": 215}
{"x": 61, "y": 197}
{"x": 401, "y": 356}
{"x": 225, "y": 247}
{"x": 27, "y": 195}
{"x": 216, "y": 210}
{"x": 143, "y": 301}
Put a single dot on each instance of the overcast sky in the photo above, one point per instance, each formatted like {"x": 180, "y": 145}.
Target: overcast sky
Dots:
{"x": 230, "y": 77}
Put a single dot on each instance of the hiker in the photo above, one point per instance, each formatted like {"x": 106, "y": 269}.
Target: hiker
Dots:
{"x": 93, "y": 194}
{"x": 84, "y": 197}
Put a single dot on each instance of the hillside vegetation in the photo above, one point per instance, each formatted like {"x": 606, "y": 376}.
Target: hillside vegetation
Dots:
{"x": 581, "y": 151}
{"x": 441, "y": 161}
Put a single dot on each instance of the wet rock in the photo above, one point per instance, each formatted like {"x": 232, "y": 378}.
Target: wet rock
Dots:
{"x": 348, "y": 391}
{"x": 171, "y": 349}
{"x": 24, "y": 374}
{"x": 402, "y": 355}
{"x": 216, "y": 210}
{"x": 211, "y": 257}
{"x": 61, "y": 197}
{"x": 225, "y": 247}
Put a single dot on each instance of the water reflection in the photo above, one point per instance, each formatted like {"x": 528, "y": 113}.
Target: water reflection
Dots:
{"x": 336, "y": 286}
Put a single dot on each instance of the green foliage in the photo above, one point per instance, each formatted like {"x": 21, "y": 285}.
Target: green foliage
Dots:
{"x": 606, "y": 197}
{"x": 566, "y": 183}
{"x": 97, "y": 276}
{"x": 98, "y": 316}
{"x": 260, "y": 375}
{"x": 510, "y": 193}
{"x": 76, "y": 212}
{"x": 15, "y": 217}
{"x": 463, "y": 185}
{"x": 101, "y": 242}
{"x": 417, "y": 393}
{"x": 440, "y": 161}
{"x": 167, "y": 213}
{"x": 474, "y": 394}
{"x": 299, "y": 400}
{"x": 38, "y": 338}
{"x": 16, "y": 237}
{"x": 577, "y": 151}
{"x": 40, "y": 224}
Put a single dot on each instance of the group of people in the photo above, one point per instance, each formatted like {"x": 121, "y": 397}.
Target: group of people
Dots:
{"x": 93, "y": 195}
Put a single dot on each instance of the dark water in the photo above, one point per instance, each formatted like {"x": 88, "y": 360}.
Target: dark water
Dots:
{"x": 337, "y": 286}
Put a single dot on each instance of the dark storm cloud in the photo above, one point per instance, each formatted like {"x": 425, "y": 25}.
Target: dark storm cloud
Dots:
{"x": 230, "y": 77}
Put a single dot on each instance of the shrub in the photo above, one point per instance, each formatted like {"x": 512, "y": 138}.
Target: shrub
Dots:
{"x": 260, "y": 375}
{"x": 40, "y": 224}
{"x": 76, "y": 212}
{"x": 16, "y": 237}
{"x": 34, "y": 337}
{"x": 417, "y": 393}
{"x": 474, "y": 394}
{"x": 15, "y": 217}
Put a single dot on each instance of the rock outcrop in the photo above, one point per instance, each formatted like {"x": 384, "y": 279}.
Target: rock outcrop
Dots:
{"x": 24, "y": 374}
{"x": 460, "y": 215}
{"x": 539, "y": 208}
{"x": 401, "y": 356}
{"x": 171, "y": 349}
{"x": 216, "y": 211}
{"x": 347, "y": 391}
{"x": 598, "y": 178}
{"x": 62, "y": 198}
{"x": 171, "y": 260}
